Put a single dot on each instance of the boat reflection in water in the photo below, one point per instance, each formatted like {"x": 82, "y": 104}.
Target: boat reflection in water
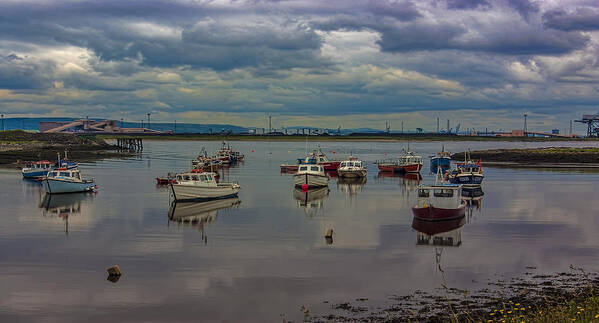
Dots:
{"x": 65, "y": 205}
{"x": 439, "y": 233}
{"x": 194, "y": 213}
{"x": 351, "y": 185}
{"x": 311, "y": 200}
{"x": 473, "y": 196}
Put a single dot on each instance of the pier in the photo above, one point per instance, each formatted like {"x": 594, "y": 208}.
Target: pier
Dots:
{"x": 130, "y": 144}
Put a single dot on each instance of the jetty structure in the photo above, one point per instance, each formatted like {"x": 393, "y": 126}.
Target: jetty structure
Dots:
{"x": 91, "y": 127}
{"x": 592, "y": 122}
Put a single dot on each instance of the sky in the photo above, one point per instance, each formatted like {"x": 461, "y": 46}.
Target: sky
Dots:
{"x": 480, "y": 63}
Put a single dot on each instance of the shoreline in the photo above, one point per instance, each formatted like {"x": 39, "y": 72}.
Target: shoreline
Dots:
{"x": 19, "y": 147}
{"x": 548, "y": 157}
{"x": 534, "y": 296}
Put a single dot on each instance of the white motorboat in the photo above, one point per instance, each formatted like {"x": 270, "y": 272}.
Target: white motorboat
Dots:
{"x": 63, "y": 180}
{"x": 198, "y": 185}
{"x": 312, "y": 175}
{"x": 352, "y": 168}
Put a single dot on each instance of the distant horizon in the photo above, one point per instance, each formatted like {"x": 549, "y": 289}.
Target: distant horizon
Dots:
{"x": 162, "y": 125}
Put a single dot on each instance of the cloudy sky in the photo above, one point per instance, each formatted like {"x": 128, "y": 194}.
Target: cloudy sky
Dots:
{"x": 482, "y": 63}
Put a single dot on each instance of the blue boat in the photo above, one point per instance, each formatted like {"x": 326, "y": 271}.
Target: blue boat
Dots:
{"x": 36, "y": 169}
{"x": 441, "y": 160}
{"x": 468, "y": 173}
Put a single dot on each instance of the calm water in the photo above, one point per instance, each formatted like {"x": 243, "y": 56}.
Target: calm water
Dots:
{"x": 261, "y": 257}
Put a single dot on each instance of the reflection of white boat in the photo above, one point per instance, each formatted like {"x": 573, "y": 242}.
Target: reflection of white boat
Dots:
{"x": 351, "y": 186}
{"x": 201, "y": 186}
{"x": 312, "y": 175}
{"x": 313, "y": 198}
{"x": 200, "y": 212}
{"x": 64, "y": 204}
{"x": 63, "y": 180}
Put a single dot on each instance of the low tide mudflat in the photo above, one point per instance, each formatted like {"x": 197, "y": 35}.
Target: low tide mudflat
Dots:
{"x": 264, "y": 257}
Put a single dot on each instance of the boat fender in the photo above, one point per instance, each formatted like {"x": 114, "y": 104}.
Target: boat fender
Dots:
{"x": 304, "y": 187}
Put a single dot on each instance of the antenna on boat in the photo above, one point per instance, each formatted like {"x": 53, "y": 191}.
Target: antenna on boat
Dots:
{"x": 58, "y": 159}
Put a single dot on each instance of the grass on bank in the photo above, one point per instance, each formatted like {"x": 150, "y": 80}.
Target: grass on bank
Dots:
{"x": 577, "y": 310}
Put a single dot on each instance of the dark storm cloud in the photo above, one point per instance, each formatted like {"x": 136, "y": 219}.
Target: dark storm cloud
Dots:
{"x": 467, "y": 4}
{"x": 580, "y": 19}
{"x": 525, "y": 8}
{"x": 20, "y": 73}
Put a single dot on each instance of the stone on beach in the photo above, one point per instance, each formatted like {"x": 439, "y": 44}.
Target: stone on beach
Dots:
{"x": 114, "y": 271}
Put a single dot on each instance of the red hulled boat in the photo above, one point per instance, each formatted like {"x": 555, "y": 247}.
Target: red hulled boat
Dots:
{"x": 439, "y": 202}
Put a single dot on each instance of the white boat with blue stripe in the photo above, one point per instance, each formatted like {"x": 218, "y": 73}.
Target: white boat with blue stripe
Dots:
{"x": 63, "y": 180}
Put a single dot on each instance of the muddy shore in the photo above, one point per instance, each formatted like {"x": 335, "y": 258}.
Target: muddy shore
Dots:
{"x": 17, "y": 147}
{"x": 555, "y": 157}
{"x": 514, "y": 300}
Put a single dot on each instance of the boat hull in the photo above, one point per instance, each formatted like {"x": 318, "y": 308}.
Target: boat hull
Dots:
{"x": 312, "y": 180}
{"x": 431, "y": 213}
{"x": 53, "y": 186}
{"x": 352, "y": 173}
{"x": 35, "y": 174}
{"x": 389, "y": 168}
{"x": 285, "y": 168}
{"x": 411, "y": 168}
{"x": 467, "y": 179}
{"x": 330, "y": 165}
{"x": 199, "y": 193}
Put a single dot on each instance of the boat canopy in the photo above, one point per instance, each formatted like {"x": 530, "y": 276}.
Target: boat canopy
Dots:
{"x": 64, "y": 173}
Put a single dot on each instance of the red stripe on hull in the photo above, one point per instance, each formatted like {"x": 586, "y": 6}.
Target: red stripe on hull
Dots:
{"x": 330, "y": 165}
{"x": 413, "y": 168}
{"x": 389, "y": 168}
{"x": 432, "y": 213}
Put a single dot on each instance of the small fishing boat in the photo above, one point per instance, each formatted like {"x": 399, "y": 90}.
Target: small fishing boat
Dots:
{"x": 198, "y": 185}
{"x": 35, "y": 170}
{"x": 315, "y": 157}
{"x": 311, "y": 175}
{"x": 410, "y": 163}
{"x": 441, "y": 160}
{"x": 407, "y": 163}
{"x": 351, "y": 168}
{"x": 388, "y": 166}
{"x": 63, "y": 180}
{"x": 468, "y": 173}
{"x": 440, "y": 201}
{"x": 228, "y": 156}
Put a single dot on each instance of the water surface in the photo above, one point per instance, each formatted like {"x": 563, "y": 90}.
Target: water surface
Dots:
{"x": 262, "y": 256}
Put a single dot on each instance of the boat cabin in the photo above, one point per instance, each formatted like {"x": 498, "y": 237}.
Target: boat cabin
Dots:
{"x": 351, "y": 163}
{"x": 39, "y": 165}
{"x": 65, "y": 174}
{"x": 410, "y": 159}
{"x": 205, "y": 179}
{"x": 444, "y": 196}
{"x": 310, "y": 168}
{"x": 469, "y": 168}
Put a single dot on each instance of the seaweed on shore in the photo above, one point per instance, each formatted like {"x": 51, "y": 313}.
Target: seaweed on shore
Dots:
{"x": 519, "y": 299}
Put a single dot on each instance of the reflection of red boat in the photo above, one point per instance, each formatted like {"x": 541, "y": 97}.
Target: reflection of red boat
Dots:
{"x": 439, "y": 202}
{"x": 439, "y": 233}
{"x": 436, "y": 227}
{"x": 413, "y": 176}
